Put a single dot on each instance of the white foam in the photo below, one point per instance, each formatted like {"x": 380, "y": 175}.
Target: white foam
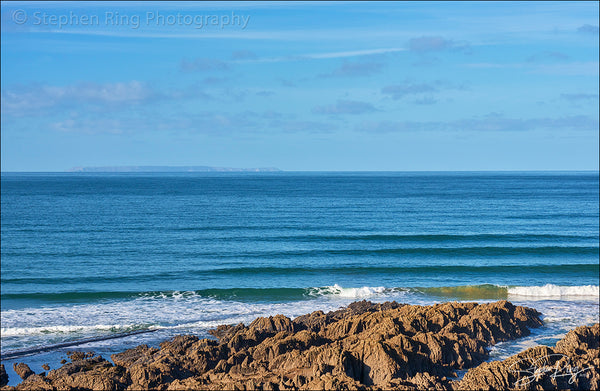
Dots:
{"x": 187, "y": 312}
{"x": 350, "y": 293}
{"x": 554, "y": 291}
{"x": 20, "y": 331}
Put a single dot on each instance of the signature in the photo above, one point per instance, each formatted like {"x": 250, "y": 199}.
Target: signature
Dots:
{"x": 551, "y": 364}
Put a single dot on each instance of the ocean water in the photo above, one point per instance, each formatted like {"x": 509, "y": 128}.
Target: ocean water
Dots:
{"x": 93, "y": 256}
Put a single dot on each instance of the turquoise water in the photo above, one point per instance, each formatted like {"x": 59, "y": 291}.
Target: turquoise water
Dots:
{"x": 94, "y": 255}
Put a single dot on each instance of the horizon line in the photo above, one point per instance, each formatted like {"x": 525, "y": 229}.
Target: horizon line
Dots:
{"x": 248, "y": 171}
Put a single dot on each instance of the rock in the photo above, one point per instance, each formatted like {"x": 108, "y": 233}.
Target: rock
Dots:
{"x": 574, "y": 364}
{"x": 3, "y": 376}
{"x": 46, "y": 367}
{"x": 76, "y": 355}
{"x": 580, "y": 340}
{"x": 130, "y": 356}
{"x": 22, "y": 370}
{"x": 362, "y": 346}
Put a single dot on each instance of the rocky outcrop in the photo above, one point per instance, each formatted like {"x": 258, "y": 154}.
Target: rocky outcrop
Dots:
{"x": 22, "y": 370}
{"x": 3, "y": 376}
{"x": 362, "y": 346}
{"x": 574, "y": 364}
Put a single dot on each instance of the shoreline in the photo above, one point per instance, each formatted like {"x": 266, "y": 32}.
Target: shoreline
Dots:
{"x": 13, "y": 354}
{"x": 364, "y": 345}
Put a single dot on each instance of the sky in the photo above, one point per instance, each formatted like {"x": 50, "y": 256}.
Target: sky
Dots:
{"x": 340, "y": 86}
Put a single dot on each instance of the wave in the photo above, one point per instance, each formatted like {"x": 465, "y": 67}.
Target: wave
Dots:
{"x": 555, "y": 291}
{"x": 362, "y": 270}
{"x": 466, "y": 252}
{"x": 397, "y": 238}
{"x": 439, "y": 251}
{"x": 495, "y": 292}
{"x": 340, "y": 269}
{"x": 354, "y": 293}
{"x": 243, "y": 294}
{"x": 279, "y": 295}
{"x": 467, "y": 292}
{"x": 231, "y": 294}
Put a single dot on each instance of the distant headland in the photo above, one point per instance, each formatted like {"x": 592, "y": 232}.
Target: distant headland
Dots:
{"x": 170, "y": 169}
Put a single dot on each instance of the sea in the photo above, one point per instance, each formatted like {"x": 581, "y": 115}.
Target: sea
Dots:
{"x": 104, "y": 262}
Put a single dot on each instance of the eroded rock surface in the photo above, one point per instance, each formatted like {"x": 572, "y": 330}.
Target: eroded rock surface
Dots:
{"x": 363, "y": 346}
{"x": 574, "y": 364}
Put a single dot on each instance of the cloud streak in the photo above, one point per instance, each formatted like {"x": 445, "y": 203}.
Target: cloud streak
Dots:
{"x": 203, "y": 64}
{"x": 321, "y": 56}
{"x": 27, "y": 99}
{"x": 490, "y": 123}
{"x": 548, "y": 56}
{"x": 37, "y": 99}
{"x": 426, "y": 44}
{"x": 345, "y": 107}
{"x": 408, "y": 88}
{"x": 573, "y": 68}
{"x": 579, "y": 97}
{"x": 355, "y": 69}
{"x": 589, "y": 29}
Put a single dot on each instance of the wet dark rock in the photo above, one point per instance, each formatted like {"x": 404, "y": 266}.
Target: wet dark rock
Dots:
{"x": 3, "y": 376}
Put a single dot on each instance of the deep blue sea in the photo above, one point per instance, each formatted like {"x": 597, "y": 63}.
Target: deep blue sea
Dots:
{"x": 96, "y": 255}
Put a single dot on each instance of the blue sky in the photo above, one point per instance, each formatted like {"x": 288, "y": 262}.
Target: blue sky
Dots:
{"x": 302, "y": 86}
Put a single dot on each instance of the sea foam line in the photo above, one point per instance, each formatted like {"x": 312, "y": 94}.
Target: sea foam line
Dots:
{"x": 68, "y": 329}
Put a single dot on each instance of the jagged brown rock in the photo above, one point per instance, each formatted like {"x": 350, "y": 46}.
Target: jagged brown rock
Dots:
{"x": 574, "y": 364}
{"x": 22, "y": 370}
{"x": 362, "y": 346}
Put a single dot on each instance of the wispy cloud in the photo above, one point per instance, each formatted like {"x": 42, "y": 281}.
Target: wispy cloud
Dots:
{"x": 243, "y": 55}
{"x": 588, "y": 29}
{"x": 265, "y": 93}
{"x": 426, "y": 44}
{"x": 301, "y": 126}
{"x": 490, "y": 123}
{"x": 355, "y": 69}
{"x": 353, "y": 53}
{"x": 37, "y": 99}
{"x": 321, "y": 56}
{"x": 287, "y": 83}
{"x": 27, "y": 99}
{"x": 213, "y": 80}
{"x": 579, "y": 97}
{"x": 548, "y": 56}
{"x": 345, "y": 107}
{"x": 573, "y": 68}
{"x": 94, "y": 125}
{"x": 203, "y": 64}
{"x": 425, "y": 101}
{"x": 399, "y": 91}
